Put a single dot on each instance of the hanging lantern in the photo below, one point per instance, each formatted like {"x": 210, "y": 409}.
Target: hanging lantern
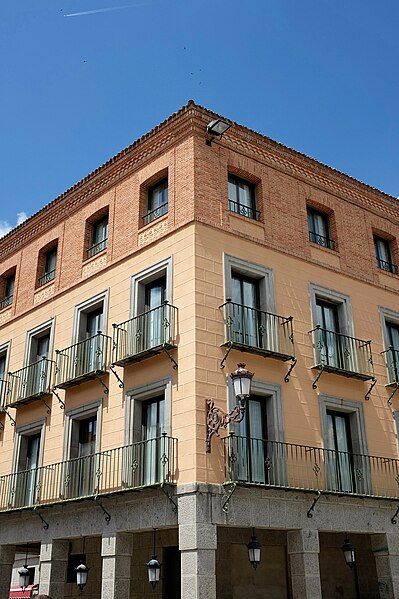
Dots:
{"x": 81, "y": 575}
{"x": 349, "y": 553}
{"x": 153, "y": 566}
{"x": 24, "y": 577}
{"x": 254, "y": 548}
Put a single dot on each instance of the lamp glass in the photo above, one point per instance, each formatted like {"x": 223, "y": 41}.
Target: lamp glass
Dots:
{"x": 154, "y": 570}
{"x": 24, "y": 577}
{"x": 349, "y": 553}
{"x": 242, "y": 380}
{"x": 254, "y": 551}
{"x": 218, "y": 127}
{"x": 81, "y": 575}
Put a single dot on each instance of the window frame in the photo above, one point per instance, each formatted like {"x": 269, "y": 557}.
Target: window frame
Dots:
{"x": 235, "y": 180}
{"x": 4, "y": 350}
{"x": 83, "y": 308}
{"x": 385, "y": 265}
{"x": 163, "y": 207}
{"x": 254, "y": 271}
{"x": 7, "y": 299}
{"x": 324, "y": 241}
{"x": 387, "y": 316}
{"x": 140, "y": 280}
{"x": 28, "y": 430}
{"x": 82, "y": 412}
{"x": 34, "y": 334}
{"x": 341, "y": 300}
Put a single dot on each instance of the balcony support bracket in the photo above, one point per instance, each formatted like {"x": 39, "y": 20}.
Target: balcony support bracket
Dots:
{"x": 104, "y": 386}
{"x": 13, "y": 423}
{"x": 394, "y": 518}
{"x": 287, "y": 376}
{"x": 321, "y": 369}
{"x": 228, "y": 492}
{"x": 311, "y": 509}
{"x": 396, "y": 387}
{"x": 373, "y": 383}
{"x": 170, "y": 497}
{"x": 171, "y": 358}
{"x": 107, "y": 514}
{"x": 62, "y": 404}
{"x": 118, "y": 378}
{"x": 228, "y": 350}
{"x": 1, "y": 426}
{"x": 44, "y": 523}
{"x": 47, "y": 406}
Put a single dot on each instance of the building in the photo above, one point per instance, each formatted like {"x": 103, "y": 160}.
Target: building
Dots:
{"x": 127, "y": 303}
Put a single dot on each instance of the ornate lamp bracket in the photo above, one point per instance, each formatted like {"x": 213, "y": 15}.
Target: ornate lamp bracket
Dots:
{"x": 217, "y": 418}
{"x": 395, "y": 388}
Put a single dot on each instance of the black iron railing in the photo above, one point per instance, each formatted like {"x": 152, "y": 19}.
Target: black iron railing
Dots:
{"x": 387, "y": 266}
{"x": 30, "y": 382}
{"x": 301, "y": 467}
{"x": 392, "y": 363}
{"x": 339, "y": 353}
{"x": 96, "y": 248}
{"x": 321, "y": 240}
{"x": 6, "y": 301}
{"x": 259, "y": 331}
{"x": 244, "y": 210}
{"x": 82, "y": 360}
{"x": 4, "y": 393}
{"x": 145, "y": 334}
{"x": 156, "y": 213}
{"x": 144, "y": 464}
{"x": 47, "y": 277}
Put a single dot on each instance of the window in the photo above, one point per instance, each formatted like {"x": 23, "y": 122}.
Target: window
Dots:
{"x": 242, "y": 197}
{"x": 157, "y": 201}
{"x": 383, "y": 255}
{"x": 245, "y": 310}
{"x": 318, "y": 229}
{"x": 4, "y": 349}
{"x": 148, "y": 416}
{"x": 390, "y": 327}
{"x": 8, "y": 290}
{"x": 345, "y": 454}
{"x": 27, "y": 460}
{"x": 99, "y": 237}
{"x": 35, "y": 377}
{"x": 91, "y": 344}
{"x": 49, "y": 266}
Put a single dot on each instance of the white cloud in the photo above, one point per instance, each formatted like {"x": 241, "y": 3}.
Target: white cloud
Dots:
{"x": 5, "y": 227}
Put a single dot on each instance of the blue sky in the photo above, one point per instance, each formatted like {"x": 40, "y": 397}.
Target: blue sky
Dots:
{"x": 317, "y": 75}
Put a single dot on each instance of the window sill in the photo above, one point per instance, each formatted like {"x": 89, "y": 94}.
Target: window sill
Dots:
{"x": 334, "y": 251}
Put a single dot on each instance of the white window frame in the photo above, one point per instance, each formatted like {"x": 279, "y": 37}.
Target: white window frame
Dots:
{"x": 341, "y": 300}
{"x": 27, "y": 430}
{"x": 36, "y": 332}
{"x": 87, "y": 306}
{"x": 133, "y": 406}
{"x": 252, "y": 270}
{"x": 387, "y": 316}
{"x": 146, "y": 276}
{"x": 355, "y": 410}
{"x": 80, "y": 413}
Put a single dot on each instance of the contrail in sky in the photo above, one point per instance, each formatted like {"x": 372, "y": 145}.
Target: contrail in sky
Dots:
{"x": 92, "y": 12}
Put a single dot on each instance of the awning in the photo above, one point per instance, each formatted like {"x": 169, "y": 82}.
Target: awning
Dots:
{"x": 18, "y": 593}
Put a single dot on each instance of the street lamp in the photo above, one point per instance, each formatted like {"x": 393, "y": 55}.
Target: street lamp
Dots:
{"x": 254, "y": 549}
{"x": 153, "y": 566}
{"x": 350, "y": 560}
{"x": 216, "y": 128}
{"x": 216, "y": 417}
{"x": 82, "y": 572}
{"x": 24, "y": 573}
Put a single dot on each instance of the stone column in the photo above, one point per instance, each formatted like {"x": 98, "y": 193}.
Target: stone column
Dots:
{"x": 7, "y": 557}
{"x": 53, "y": 568}
{"x": 116, "y": 552}
{"x": 197, "y": 543}
{"x": 385, "y": 547}
{"x": 303, "y": 553}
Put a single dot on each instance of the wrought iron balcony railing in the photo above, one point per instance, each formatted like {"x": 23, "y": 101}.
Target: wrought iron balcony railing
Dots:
{"x": 31, "y": 382}
{"x": 4, "y": 393}
{"x": 321, "y": 240}
{"x": 258, "y": 332}
{"x": 96, "y": 248}
{"x": 81, "y": 361}
{"x": 47, "y": 277}
{"x": 145, "y": 335}
{"x": 244, "y": 210}
{"x": 145, "y": 464}
{"x": 156, "y": 213}
{"x": 387, "y": 266}
{"x": 6, "y": 301}
{"x": 392, "y": 363}
{"x": 342, "y": 354}
{"x": 301, "y": 467}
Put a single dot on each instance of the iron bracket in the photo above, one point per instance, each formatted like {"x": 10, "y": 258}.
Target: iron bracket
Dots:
{"x": 104, "y": 386}
{"x": 228, "y": 494}
{"x": 170, "y": 497}
{"x": 314, "y": 384}
{"x": 287, "y": 376}
{"x": 228, "y": 350}
{"x": 118, "y": 378}
{"x": 44, "y": 523}
{"x": 315, "y": 500}
{"x": 394, "y": 517}
{"x": 1, "y": 426}
{"x": 47, "y": 406}
{"x": 107, "y": 514}
{"x": 13, "y": 423}
{"x": 171, "y": 358}
{"x": 373, "y": 383}
{"x": 216, "y": 418}
{"x": 396, "y": 387}
{"x": 62, "y": 404}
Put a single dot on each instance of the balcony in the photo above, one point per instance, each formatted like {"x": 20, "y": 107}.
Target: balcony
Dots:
{"x": 148, "y": 463}
{"x": 321, "y": 240}
{"x": 4, "y": 393}
{"x": 244, "y": 210}
{"x": 156, "y": 213}
{"x": 96, "y": 248}
{"x": 304, "y": 468}
{"x": 6, "y": 302}
{"x": 258, "y": 332}
{"x": 29, "y": 383}
{"x": 46, "y": 278}
{"x": 387, "y": 266}
{"x": 392, "y": 363}
{"x": 145, "y": 335}
{"x": 82, "y": 361}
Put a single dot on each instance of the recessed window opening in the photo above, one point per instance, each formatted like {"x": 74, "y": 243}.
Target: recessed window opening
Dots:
{"x": 383, "y": 255}
{"x": 157, "y": 201}
{"x": 242, "y": 198}
{"x": 319, "y": 229}
{"x": 99, "y": 237}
